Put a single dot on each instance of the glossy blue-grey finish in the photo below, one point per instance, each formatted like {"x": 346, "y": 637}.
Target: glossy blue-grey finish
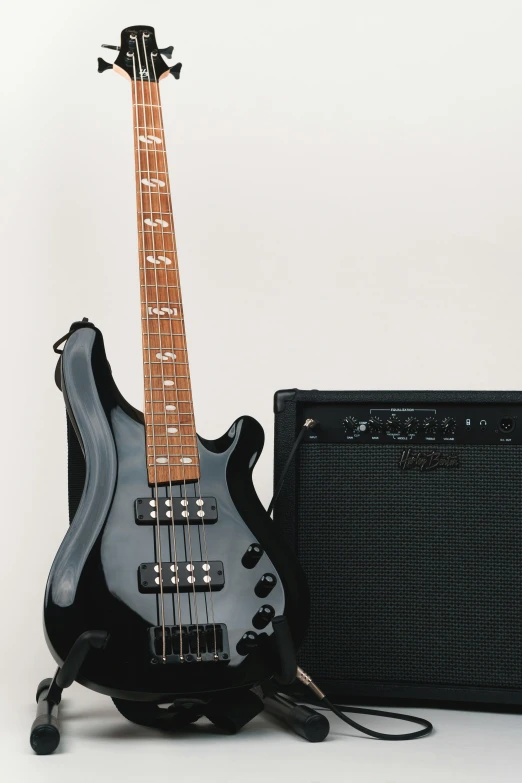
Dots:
{"x": 94, "y": 583}
{"x": 78, "y": 383}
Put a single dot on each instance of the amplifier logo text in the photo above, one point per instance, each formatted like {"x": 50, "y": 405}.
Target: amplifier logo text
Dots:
{"x": 411, "y": 460}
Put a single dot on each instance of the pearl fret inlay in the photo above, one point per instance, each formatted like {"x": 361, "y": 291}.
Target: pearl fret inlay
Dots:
{"x": 171, "y": 441}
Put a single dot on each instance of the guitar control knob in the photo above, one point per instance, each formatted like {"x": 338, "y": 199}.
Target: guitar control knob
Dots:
{"x": 375, "y": 424}
{"x": 350, "y": 424}
{"x": 263, "y": 616}
{"x": 393, "y": 424}
{"x": 412, "y": 425}
{"x": 265, "y": 585}
{"x": 430, "y": 425}
{"x": 247, "y": 643}
{"x": 449, "y": 426}
{"x": 252, "y": 556}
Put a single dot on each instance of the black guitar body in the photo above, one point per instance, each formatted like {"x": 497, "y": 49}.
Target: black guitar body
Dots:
{"x": 98, "y": 578}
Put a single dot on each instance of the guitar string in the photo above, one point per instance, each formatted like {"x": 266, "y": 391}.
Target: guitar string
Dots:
{"x": 198, "y": 492}
{"x": 185, "y": 504}
{"x": 144, "y": 252}
{"x": 164, "y": 152}
{"x": 177, "y": 574}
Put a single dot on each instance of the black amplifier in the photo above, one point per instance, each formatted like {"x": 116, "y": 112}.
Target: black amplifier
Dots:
{"x": 405, "y": 510}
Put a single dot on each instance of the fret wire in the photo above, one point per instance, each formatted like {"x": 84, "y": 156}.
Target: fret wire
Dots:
{"x": 172, "y": 436}
{"x": 177, "y": 413}
{"x": 152, "y": 284}
{"x": 188, "y": 454}
{"x": 156, "y": 299}
{"x": 194, "y": 461}
{"x": 193, "y": 457}
{"x": 181, "y": 424}
{"x": 166, "y": 389}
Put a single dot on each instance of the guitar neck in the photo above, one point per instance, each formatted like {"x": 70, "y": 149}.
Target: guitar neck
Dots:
{"x": 172, "y": 452}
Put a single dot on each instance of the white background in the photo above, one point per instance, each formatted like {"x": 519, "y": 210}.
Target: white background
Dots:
{"x": 347, "y": 181}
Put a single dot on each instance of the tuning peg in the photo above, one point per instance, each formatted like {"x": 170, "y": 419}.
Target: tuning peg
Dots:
{"x": 103, "y": 65}
{"x": 175, "y": 70}
{"x": 167, "y": 51}
{"x": 110, "y": 46}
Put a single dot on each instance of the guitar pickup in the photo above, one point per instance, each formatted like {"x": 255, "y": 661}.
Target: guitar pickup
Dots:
{"x": 186, "y": 511}
{"x": 198, "y": 576}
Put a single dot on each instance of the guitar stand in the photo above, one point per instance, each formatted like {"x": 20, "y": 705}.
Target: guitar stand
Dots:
{"x": 229, "y": 711}
{"x": 45, "y": 731}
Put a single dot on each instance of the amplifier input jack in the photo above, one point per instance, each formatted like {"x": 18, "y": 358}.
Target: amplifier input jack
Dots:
{"x": 506, "y": 424}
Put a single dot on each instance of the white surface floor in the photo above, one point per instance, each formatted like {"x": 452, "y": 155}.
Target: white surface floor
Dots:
{"x": 99, "y": 745}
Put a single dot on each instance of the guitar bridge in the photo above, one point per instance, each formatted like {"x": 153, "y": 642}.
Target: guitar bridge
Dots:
{"x": 212, "y": 646}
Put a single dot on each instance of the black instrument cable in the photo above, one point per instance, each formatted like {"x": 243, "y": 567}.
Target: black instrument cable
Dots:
{"x": 308, "y": 425}
{"x": 305, "y": 679}
{"x": 340, "y": 709}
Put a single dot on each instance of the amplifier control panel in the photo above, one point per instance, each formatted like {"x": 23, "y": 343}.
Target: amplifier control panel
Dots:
{"x": 438, "y": 423}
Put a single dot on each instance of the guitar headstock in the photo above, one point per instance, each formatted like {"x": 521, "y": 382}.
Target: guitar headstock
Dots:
{"x": 139, "y": 57}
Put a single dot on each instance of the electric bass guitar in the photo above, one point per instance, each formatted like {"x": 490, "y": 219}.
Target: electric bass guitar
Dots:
{"x": 170, "y": 552}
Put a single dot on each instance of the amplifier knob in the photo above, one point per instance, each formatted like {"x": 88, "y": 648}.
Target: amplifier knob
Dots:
{"x": 412, "y": 425}
{"x": 375, "y": 424}
{"x": 350, "y": 424}
{"x": 430, "y": 425}
{"x": 393, "y": 424}
{"x": 449, "y": 426}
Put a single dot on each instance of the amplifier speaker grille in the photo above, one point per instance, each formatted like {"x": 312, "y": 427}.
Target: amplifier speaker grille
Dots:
{"x": 415, "y": 577}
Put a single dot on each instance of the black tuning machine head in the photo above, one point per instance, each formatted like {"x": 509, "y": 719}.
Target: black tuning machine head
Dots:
{"x": 103, "y": 65}
{"x": 167, "y": 52}
{"x": 139, "y": 56}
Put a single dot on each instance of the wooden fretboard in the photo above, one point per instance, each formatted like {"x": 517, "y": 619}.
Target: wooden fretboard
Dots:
{"x": 172, "y": 452}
